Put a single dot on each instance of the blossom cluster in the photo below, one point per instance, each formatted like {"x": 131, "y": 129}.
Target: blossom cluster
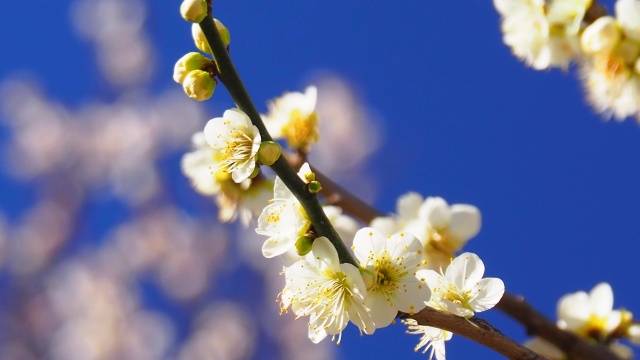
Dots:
{"x": 396, "y": 264}
{"x": 401, "y": 263}
{"x": 554, "y": 33}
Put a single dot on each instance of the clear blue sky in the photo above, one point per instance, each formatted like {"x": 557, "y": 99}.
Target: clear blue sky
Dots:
{"x": 558, "y": 186}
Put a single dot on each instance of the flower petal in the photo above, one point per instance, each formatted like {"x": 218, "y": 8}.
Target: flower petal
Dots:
{"x": 489, "y": 292}
{"x": 465, "y": 222}
{"x": 436, "y": 211}
{"x": 408, "y": 205}
{"x": 367, "y": 244}
{"x": 325, "y": 254}
{"x": 601, "y": 299}
{"x": 465, "y": 271}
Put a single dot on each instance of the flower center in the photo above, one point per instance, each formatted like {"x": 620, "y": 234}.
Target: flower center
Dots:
{"x": 451, "y": 293}
{"x": 238, "y": 146}
{"x": 302, "y": 130}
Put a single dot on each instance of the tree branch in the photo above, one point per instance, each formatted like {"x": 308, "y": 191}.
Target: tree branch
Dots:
{"x": 474, "y": 329}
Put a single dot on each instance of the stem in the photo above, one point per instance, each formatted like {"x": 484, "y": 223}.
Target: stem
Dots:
{"x": 229, "y": 77}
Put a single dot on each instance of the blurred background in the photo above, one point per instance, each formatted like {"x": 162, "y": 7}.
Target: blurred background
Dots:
{"x": 106, "y": 252}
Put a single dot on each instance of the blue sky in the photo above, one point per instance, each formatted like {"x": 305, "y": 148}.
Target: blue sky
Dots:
{"x": 558, "y": 185}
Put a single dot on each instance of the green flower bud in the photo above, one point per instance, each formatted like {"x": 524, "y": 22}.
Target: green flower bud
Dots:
{"x": 269, "y": 152}
{"x": 315, "y": 187}
{"x": 199, "y": 85}
{"x": 186, "y": 64}
{"x": 193, "y": 10}
{"x": 224, "y": 32}
{"x": 303, "y": 245}
{"x": 199, "y": 39}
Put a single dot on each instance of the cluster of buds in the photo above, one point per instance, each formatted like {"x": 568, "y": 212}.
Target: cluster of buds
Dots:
{"x": 196, "y": 72}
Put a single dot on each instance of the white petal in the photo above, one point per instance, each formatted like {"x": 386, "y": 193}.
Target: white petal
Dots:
{"x": 281, "y": 191}
{"x": 574, "y": 309}
{"x": 490, "y": 291}
{"x": 465, "y": 221}
{"x": 613, "y": 321}
{"x": 386, "y": 225}
{"x": 601, "y": 299}
{"x": 358, "y": 313}
{"x": 465, "y": 271}
{"x": 243, "y": 171}
{"x": 311, "y": 97}
{"x": 436, "y": 211}
{"x": 325, "y": 254}
{"x": 274, "y": 247}
{"x": 316, "y": 333}
{"x": 353, "y": 274}
{"x": 382, "y": 312}
{"x": 415, "y": 298}
{"x": 408, "y": 205}
{"x": 237, "y": 116}
{"x": 368, "y": 243}
{"x": 406, "y": 247}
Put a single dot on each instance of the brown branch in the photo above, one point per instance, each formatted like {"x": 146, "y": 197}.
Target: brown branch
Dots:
{"x": 474, "y": 329}
{"x": 537, "y": 324}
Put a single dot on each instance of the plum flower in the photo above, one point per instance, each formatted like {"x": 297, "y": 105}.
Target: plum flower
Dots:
{"x": 543, "y": 33}
{"x": 443, "y": 229}
{"x": 243, "y": 200}
{"x": 330, "y": 293}
{"x": 283, "y": 220}
{"x": 461, "y": 290}
{"x": 236, "y": 142}
{"x": 293, "y": 117}
{"x": 393, "y": 261}
{"x": 590, "y": 315}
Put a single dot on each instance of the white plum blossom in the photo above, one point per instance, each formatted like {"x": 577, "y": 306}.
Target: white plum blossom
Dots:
{"x": 330, "y": 293}
{"x": 243, "y": 200}
{"x": 293, "y": 117}
{"x": 543, "y": 33}
{"x": 589, "y": 315}
{"x": 393, "y": 261}
{"x": 610, "y": 74}
{"x": 283, "y": 220}
{"x": 432, "y": 338}
{"x": 236, "y": 142}
{"x": 442, "y": 229}
{"x": 461, "y": 290}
